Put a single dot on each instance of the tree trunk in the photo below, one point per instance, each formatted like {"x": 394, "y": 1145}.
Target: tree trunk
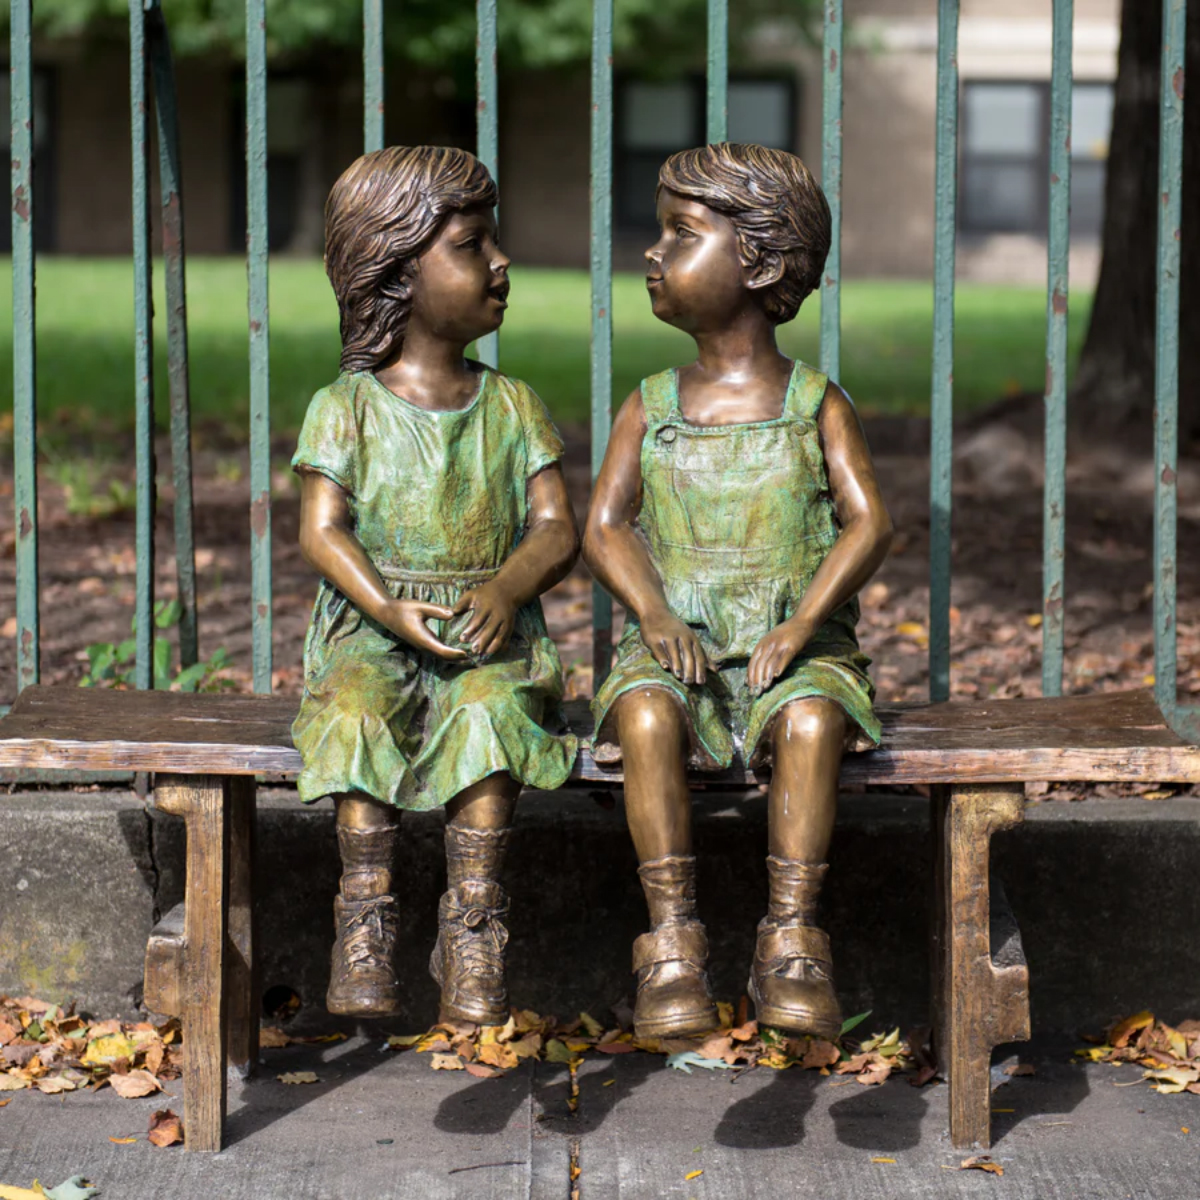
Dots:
{"x": 1113, "y": 392}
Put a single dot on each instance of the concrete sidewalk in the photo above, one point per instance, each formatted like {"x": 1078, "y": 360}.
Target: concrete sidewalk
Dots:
{"x": 380, "y": 1125}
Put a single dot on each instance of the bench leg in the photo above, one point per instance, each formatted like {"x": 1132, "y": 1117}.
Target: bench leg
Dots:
{"x": 201, "y": 800}
{"x": 241, "y": 973}
{"x": 978, "y": 1003}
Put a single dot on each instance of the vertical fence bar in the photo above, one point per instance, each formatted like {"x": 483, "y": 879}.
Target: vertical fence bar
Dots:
{"x": 20, "y": 59}
{"x": 373, "y": 79}
{"x": 1057, "y": 291}
{"x": 831, "y": 184}
{"x": 260, "y": 380}
{"x": 942, "y": 399}
{"x": 487, "y": 126}
{"x": 143, "y": 348}
{"x": 717, "y": 106}
{"x": 171, "y": 185}
{"x": 1166, "y": 372}
{"x": 601, "y": 271}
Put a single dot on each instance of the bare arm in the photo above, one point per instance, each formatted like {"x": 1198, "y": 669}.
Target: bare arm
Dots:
{"x": 617, "y": 556}
{"x": 866, "y": 534}
{"x": 546, "y": 553}
{"x": 329, "y": 546}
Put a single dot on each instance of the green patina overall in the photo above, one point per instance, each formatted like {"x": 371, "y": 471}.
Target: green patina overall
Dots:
{"x": 737, "y": 519}
{"x": 438, "y": 500}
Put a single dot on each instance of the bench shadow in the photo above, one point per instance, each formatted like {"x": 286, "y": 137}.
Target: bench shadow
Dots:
{"x": 767, "y": 1116}
{"x": 884, "y": 1117}
{"x": 1057, "y": 1088}
{"x": 264, "y": 1100}
{"x": 487, "y": 1105}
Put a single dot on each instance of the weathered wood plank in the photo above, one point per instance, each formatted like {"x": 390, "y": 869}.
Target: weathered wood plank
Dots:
{"x": 1112, "y": 737}
{"x": 202, "y": 802}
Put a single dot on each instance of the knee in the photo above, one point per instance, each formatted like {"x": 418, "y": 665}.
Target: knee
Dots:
{"x": 810, "y": 722}
{"x": 649, "y": 719}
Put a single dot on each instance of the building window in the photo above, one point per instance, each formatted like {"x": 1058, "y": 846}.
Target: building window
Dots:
{"x": 655, "y": 119}
{"x": 45, "y": 214}
{"x": 1006, "y": 157}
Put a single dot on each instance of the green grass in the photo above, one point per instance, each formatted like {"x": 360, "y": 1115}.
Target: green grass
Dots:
{"x": 85, "y": 340}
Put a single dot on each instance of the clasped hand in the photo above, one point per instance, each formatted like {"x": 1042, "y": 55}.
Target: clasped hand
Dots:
{"x": 486, "y": 632}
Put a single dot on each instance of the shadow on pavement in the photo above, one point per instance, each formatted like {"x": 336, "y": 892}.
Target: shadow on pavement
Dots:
{"x": 486, "y": 1106}
{"x": 769, "y": 1117}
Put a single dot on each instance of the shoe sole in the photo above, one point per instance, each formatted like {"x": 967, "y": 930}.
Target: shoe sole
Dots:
{"x": 348, "y": 1008}
{"x": 701, "y": 1022}
{"x": 797, "y": 1022}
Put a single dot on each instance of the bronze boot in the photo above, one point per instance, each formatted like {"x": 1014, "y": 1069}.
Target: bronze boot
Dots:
{"x": 673, "y": 997}
{"x": 362, "y": 979}
{"x": 791, "y": 981}
{"x": 468, "y": 957}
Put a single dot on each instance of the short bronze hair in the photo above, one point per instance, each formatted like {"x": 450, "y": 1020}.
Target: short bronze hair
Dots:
{"x": 385, "y": 209}
{"x": 772, "y": 200}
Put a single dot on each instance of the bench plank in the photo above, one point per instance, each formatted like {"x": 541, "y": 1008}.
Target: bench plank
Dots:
{"x": 1112, "y": 737}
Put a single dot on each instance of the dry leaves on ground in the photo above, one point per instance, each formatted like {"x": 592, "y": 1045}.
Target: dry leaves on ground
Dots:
{"x": 1170, "y": 1055}
{"x": 491, "y": 1049}
{"x": 166, "y": 1129}
{"x": 50, "y": 1049}
{"x": 981, "y": 1162}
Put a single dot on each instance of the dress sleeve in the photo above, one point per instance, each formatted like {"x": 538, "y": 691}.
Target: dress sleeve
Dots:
{"x": 543, "y": 443}
{"x": 329, "y": 438}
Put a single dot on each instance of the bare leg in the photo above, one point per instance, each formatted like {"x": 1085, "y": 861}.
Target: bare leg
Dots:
{"x": 468, "y": 960}
{"x": 362, "y": 976}
{"x": 791, "y": 980}
{"x": 673, "y": 997}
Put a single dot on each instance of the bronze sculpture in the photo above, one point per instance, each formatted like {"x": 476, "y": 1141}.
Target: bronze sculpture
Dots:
{"x": 431, "y": 493}
{"x": 736, "y": 516}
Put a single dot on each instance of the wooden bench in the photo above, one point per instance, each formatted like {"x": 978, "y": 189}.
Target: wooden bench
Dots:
{"x": 206, "y": 750}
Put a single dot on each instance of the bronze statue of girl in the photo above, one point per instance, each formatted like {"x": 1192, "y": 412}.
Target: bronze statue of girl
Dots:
{"x": 735, "y": 517}
{"x": 432, "y": 493}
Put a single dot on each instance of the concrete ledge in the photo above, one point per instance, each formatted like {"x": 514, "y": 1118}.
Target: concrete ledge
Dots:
{"x": 1103, "y": 890}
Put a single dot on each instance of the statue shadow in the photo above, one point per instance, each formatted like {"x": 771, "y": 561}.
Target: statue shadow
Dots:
{"x": 485, "y": 1106}
{"x": 770, "y": 1115}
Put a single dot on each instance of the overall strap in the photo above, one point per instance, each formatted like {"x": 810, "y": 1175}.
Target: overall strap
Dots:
{"x": 660, "y": 398}
{"x": 805, "y": 392}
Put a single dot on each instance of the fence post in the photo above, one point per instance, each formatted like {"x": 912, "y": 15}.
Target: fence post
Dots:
{"x": 831, "y": 184}
{"x": 717, "y": 99}
{"x": 487, "y": 128}
{"x": 373, "y": 77}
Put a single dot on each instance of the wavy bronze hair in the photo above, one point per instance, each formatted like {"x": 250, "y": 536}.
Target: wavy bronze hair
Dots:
{"x": 780, "y": 213}
{"x": 384, "y": 210}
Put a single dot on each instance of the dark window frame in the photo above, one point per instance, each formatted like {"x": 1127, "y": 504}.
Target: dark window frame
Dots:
{"x": 629, "y": 221}
{"x": 971, "y": 223}
{"x": 45, "y": 166}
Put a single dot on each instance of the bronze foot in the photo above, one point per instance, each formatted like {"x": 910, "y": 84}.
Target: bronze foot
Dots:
{"x": 468, "y": 958}
{"x": 791, "y": 981}
{"x": 673, "y": 998}
{"x": 362, "y": 981}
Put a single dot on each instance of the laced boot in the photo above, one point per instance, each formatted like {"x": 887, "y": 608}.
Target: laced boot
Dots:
{"x": 468, "y": 957}
{"x": 791, "y": 980}
{"x": 362, "y": 979}
{"x": 673, "y": 997}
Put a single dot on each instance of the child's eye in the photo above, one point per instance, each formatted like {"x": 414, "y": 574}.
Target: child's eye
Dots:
{"x": 469, "y": 244}
{"x": 682, "y": 231}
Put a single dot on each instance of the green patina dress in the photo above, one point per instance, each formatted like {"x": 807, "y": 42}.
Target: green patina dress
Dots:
{"x": 737, "y": 519}
{"x": 439, "y": 502}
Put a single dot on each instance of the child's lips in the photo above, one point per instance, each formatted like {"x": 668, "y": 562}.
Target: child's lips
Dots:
{"x": 499, "y": 293}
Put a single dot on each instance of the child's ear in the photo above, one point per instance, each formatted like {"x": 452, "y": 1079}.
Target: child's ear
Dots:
{"x": 766, "y": 272}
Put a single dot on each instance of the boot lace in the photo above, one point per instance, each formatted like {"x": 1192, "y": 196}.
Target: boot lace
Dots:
{"x": 369, "y": 933}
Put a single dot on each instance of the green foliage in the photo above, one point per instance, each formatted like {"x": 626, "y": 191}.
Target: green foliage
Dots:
{"x": 112, "y": 664}
{"x": 80, "y": 481}
{"x": 441, "y": 33}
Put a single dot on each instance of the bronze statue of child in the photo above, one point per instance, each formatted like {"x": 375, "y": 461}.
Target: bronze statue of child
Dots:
{"x": 432, "y": 493}
{"x": 735, "y": 517}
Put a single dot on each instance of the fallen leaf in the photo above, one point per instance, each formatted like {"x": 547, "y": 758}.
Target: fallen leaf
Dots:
{"x": 875, "y": 1076}
{"x": 403, "y": 1042}
{"x": 819, "y": 1054}
{"x": 52, "y": 1085}
{"x": 981, "y": 1162}
{"x": 527, "y": 1047}
{"x": 497, "y": 1055}
{"x": 298, "y": 1077}
{"x": 156, "y": 1052}
{"x": 616, "y": 1047}
{"x": 1171, "y": 1080}
{"x": 122, "y": 1141}
{"x": 8, "y": 1032}
{"x": 134, "y": 1085}
{"x": 165, "y": 1128}
{"x": 687, "y": 1059}
{"x": 16, "y": 1193}
{"x": 107, "y": 1049}
{"x": 4, "y": 1102}
{"x": 883, "y": 1160}
{"x": 75, "y": 1188}
{"x": 10, "y": 1082}
{"x": 1124, "y": 1030}
{"x": 557, "y": 1052}
{"x": 447, "y": 1062}
{"x": 482, "y": 1072}
{"x": 591, "y": 1025}
{"x": 693, "y": 1175}
{"x": 271, "y": 1037}
{"x": 1020, "y": 1069}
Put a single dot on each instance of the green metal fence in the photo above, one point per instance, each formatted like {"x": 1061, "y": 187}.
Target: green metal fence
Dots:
{"x": 151, "y": 71}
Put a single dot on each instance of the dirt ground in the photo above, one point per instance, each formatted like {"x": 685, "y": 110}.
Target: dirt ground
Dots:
{"x": 88, "y": 568}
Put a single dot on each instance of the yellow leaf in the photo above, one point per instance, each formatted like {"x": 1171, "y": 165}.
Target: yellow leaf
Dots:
{"x": 1171, "y": 1080}
{"x": 107, "y": 1049}
{"x": 775, "y": 1060}
{"x": 591, "y": 1025}
{"x": 12, "y": 1083}
{"x": 1123, "y": 1032}
{"x": 912, "y": 629}
{"x": 496, "y": 1055}
{"x": 297, "y": 1077}
{"x": 883, "y": 1160}
{"x": 527, "y": 1047}
{"x": 447, "y": 1062}
{"x": 403, "y": 1041}
{"x": 577, "y": 1045}
{"x": 16, "y": 1193}
{"x": 725, "y": 1014}
{"x": 981, "y": 1162}
{"x": 122, "y": 1141}
{"x": 1034, "y": 620}
{"x": 693, "y": 1175}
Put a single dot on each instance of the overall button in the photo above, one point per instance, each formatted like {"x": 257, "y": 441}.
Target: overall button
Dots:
{"x": 667, "y": 435}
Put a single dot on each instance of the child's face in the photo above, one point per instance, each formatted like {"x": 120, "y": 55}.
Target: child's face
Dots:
{"x": 461, "y": 288}
{"x": 694, "y": 274}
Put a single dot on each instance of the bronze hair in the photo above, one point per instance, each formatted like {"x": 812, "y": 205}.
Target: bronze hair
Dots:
{"x": 770, "y": 197}
{"x": 384, "y": 210}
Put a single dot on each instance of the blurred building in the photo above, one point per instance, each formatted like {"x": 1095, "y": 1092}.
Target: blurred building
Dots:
{"x": 314, "y": 128}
